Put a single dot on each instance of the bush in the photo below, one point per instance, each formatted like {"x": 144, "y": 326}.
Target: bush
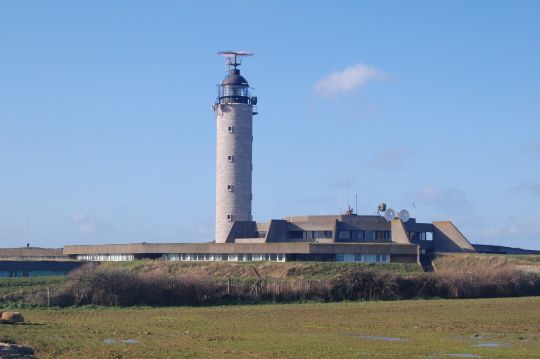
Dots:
{"x": 94, "y": 284}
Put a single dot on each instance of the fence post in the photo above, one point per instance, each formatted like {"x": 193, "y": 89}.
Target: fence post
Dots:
{"x": 48, "y": 296}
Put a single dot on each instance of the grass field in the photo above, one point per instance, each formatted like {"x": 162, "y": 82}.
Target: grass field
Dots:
{"x": 9, "y": 285}
{"x": 487, "y": 328}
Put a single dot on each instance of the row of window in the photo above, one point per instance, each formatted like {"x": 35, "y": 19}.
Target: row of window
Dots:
{"x": 364, "y": 258}
{"x": 420, "y": 236}
{"x": 309, "y": 234}
{"x": 105, "y": 257}
{"x": 230, "y": 257}
{"x": 233, "y": 90}
{"x": 364, "y": 235}
{"x": 342, "y": 235}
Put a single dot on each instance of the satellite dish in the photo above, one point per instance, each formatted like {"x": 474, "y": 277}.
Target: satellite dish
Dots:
{"x": 389, "y": 214}
{"x": 404, "y": 215}
{"x": 381, "y": 207}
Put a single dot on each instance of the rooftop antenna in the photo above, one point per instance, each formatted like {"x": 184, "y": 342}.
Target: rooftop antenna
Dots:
{"x": 234, "y": 58}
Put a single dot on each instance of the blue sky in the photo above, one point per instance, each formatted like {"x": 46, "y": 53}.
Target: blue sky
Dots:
{"x": 107, "y": 132}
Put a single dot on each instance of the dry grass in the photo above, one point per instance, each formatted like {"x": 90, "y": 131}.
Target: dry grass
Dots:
{"x": 264, "y": 269}
{"x": 472, "y": 262}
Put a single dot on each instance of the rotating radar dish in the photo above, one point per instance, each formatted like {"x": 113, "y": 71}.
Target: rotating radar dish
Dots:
{"x": 235, "y": 53}
{"x": 234, "y": 58}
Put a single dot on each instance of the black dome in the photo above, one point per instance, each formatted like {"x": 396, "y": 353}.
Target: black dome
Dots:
{"x": 237, "y": 80}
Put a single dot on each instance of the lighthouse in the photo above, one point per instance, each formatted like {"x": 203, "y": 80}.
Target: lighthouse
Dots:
{"x": 234, "y": 110}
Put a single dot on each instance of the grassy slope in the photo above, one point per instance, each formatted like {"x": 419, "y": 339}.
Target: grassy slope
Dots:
{"x": 431, "y": 329}
{"x": 464, "y": 262}
{"x": 265, "y": 269}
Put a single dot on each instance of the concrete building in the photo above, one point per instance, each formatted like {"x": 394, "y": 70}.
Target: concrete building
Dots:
{"x": 346, "y": 237}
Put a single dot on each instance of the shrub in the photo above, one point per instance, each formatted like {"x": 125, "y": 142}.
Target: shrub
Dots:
{"x": 94, "y": 284}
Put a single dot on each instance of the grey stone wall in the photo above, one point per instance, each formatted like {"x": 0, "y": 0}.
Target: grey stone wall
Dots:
{"x": 234, "y": 123}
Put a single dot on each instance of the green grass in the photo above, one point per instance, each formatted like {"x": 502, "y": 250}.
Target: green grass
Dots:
{"x": 426, "y": 329}
{"x": 12, "y": 284}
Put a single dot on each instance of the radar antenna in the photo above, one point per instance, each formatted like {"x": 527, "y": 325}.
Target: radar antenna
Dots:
{"x": 234, "y": 58}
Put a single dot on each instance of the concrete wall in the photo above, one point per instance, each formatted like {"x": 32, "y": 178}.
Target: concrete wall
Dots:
{"x": 277, "y": 231}
{"x": 398, "y": 232}
{"x": 447, "y": 238}
{"x": 16, "y": 253}
{"x": 236, "y": 173}
{"x": 241, "y": 229}
{"x": 140, "y": 248}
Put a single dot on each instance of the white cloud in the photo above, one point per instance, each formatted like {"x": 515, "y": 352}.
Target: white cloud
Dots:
{"x": 347, "y": 80}
{"x": 533, "y": 147}
{"x": 530, "y": 186}
{"x": 391, "y": 158}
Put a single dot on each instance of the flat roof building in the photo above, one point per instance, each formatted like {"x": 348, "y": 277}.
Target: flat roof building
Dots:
{"x": 348, "y": 237}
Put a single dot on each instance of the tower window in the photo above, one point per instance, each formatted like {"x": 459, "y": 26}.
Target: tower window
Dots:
{"x": 231, "y": 129}
{"x": 229, "y": 187}
{"x": 229, "y": 217}
{"x": 230, "y": 158}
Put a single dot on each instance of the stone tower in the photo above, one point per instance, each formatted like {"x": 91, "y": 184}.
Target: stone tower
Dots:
{"x": 234, "y": 110}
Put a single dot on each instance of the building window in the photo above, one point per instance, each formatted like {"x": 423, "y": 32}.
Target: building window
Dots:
{"x": 369, "y": 258}
{"x": 229, "y": 187}
{"x": 296, "y": 234}
{"x": 369, "y": 235}
{"x": 321, "y": 234}
{"x": 229, "y": 217}
{"x": 231, "y": 129}
{"x": 344, "y": 235}
{"x": 230, "y": 158}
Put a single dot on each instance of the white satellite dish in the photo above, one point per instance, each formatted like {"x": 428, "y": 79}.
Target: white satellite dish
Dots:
{"x": 404, "y": 215}
{"x": 389, "y": 214}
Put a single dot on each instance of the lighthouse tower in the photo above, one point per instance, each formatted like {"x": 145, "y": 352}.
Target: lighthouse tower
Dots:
{"x": 234, "y": 121}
